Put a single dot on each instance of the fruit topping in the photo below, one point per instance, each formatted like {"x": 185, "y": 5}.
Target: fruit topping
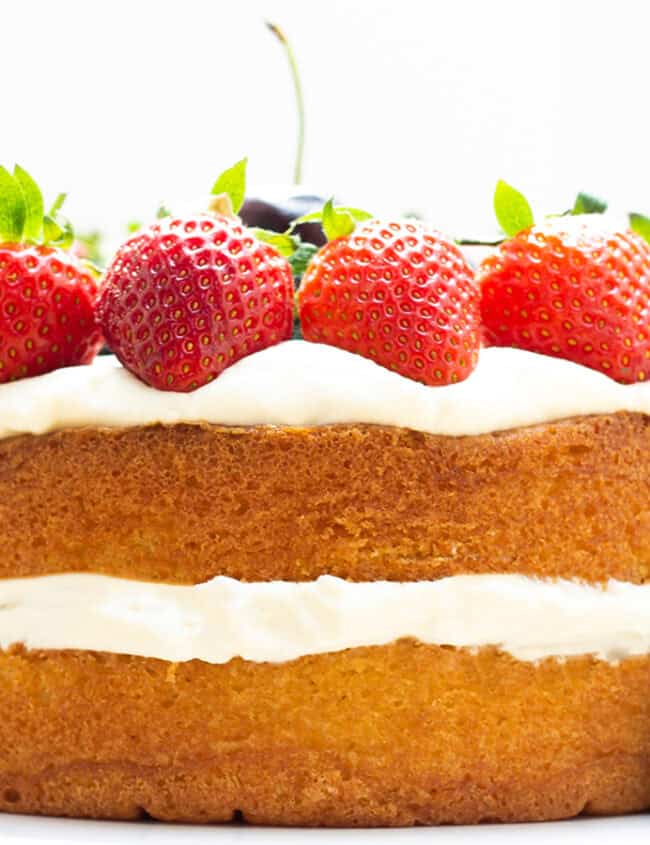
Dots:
{"x": 187, "y": 297}
{"x": 572, "y": 287}
{"x": 47, "y": 296}
{"x": 393, "y": 291}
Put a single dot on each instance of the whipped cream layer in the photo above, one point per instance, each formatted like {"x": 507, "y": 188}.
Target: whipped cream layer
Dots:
{"x": 278, "y": 621}
{"x": 306, "y": 384}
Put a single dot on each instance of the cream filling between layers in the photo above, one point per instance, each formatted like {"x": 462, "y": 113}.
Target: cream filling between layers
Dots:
{"x": 276, "y": 621}
{"x": 304, "y": 384}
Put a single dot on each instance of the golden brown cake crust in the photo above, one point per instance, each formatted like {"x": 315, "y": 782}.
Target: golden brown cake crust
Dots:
{"x": 185, "y": 503}
{"x": 391, "y": 735}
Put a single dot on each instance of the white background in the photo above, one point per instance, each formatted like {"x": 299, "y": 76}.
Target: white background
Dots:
{"x": 411, "y": 105}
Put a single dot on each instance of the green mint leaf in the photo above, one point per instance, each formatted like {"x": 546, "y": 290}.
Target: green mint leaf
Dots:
{"x": 588, "y": 204}
{"x": 33, "y": 199}
{"x": 357, "y": 214}
{"x": 233, "y": 183}
{"x": 640, "y": 224}
{"x": 301, "y": 258}
{"x": 285, "y": 243}
{"x": 57, "y": 205}
{"x": 12, "y": 208}
{"x": 512, "y": 209}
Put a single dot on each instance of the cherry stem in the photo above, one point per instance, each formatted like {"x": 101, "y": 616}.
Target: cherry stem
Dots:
{"x": 300, "y": 105}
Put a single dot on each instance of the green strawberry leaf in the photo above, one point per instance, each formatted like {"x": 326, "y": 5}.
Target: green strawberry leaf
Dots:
{"x": 285, "y": 243}
{"x": 57, "y": 231}
{"x": 301, "y": 258}
{"x": 233, "y": 183}
{"x": 94, "y": 268}
{"x": 162, "y": 211}
{"x": 640, "y": 224}
{"x": 57, "y": 205}
{"x": 512, "y": 209}
{"x": 66, "y": 241}
{"x": 51, "y": 229}
{"x": 297, "y": 252}
{"x": 21, "y": 212}
{"x": 357, "y": 214}
{"x": 336, "y": 224}
{"x": 336, "y": 220}
{"x": 588, "y": 204}
{"x": 33, "y": 199}
{"x": 12, "y": 208}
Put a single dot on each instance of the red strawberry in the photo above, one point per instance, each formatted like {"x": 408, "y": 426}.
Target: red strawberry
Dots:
{"x": 398, "y": 293}
{"x": 572, "y": 289}
{"x": 47, "y": 317}
{"x": 185, "y": 298}
{"x": 47, "y": 297}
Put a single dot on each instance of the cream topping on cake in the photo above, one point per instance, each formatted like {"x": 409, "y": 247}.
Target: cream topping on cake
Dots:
{"x": 277, "y": 621}
{"x": 305, "y": 384}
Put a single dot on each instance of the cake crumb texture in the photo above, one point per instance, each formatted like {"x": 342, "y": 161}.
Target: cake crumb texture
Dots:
{"x": 392, "y": 735}
{"x": 185, "y": 503}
